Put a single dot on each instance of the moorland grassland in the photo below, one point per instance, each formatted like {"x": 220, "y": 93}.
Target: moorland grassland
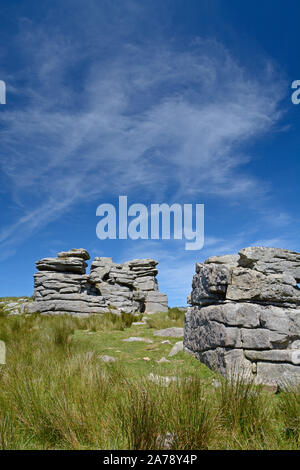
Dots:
{"x": 56, "y": 392}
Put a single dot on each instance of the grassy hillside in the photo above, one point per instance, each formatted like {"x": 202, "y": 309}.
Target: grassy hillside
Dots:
{"x": 56, "y": 392}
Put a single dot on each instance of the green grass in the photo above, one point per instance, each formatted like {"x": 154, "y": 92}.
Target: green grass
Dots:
{"x": 57, "y": 393}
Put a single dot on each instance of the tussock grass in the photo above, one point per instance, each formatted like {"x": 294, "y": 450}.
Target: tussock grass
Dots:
{"x": 3, "y": 312}
{"x": 174, "y": 317}
{"x": 137, "y": 414}
{"x": 57, "y": 394}
{"x": 289, "y": 410}
{"x": 192, "y": 421}
{"x": 246, "y": 410}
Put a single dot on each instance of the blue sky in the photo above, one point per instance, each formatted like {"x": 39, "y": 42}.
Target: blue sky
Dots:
{"x": 162, "y": 101}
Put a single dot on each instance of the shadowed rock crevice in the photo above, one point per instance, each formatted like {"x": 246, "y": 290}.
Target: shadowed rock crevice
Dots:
{"x": 245, "y": 315}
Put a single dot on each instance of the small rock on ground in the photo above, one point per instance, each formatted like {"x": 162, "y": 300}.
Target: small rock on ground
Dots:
{"x": 106, "y": 358}
{"x": 137, "y": 338}
{"x": 163, "y": 359}
{"x": 173, "y": 332}
{"x": 176, "y": 348}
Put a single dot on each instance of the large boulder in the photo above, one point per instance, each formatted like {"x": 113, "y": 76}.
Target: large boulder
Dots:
{"x": 61, "y": 285}
{"x": 245, "y": 315}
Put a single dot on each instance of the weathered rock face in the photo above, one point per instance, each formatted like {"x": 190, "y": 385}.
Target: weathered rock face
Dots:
{"x": 245, "y": 315}
{"x": 62, "y": 285}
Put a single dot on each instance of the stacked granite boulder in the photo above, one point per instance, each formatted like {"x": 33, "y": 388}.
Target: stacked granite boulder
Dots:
{"x": 62, "y": 286}
{"x": 131, "y": 285}
{"x": 245, "y": 315}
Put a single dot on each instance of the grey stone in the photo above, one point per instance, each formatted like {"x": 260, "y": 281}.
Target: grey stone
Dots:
{"x": 99, "y": 274}
{"x": 141, "y": 263}
{"x": 12, "y": 305}
{"x": 275, "y": 355}
{"x": 294, "y": 321}
{"x": 106, "y": 358}
{"x": 137, "y": 339}
{"x": 228, "y": 260}
{"x": 146, "y": 283}
{"x": 101, "y": 262}
{"x": 271, "y": 260}
{"x": 231, "y": 314}
{"x": 74, "y": 265}
{"x": 2, "y": 352}
{"x": 173, "y": 332}
{"x": 139, "y": 296}
{"x": 210, "y": 283}
{"x": 211, "y": 335}
{"x": 284, "y": 375}
{"x": 162, "y": 360}
{"x": 260, "y": 338}
{"x": 57, "y": 280}
{"x": 75, "y": 252}
{"x": 275, "y": 319}
{"x": 176, "y": 349}
{"x": 70, "y": 290}
{"x": 229, "y": 362}
{"x": 247, "y": 284}
{"x": 156, "y": 302}
{"x": 237, "y": 365}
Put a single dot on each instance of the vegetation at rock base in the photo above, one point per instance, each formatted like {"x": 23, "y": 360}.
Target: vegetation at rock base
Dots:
{"x": 56, "y": 392}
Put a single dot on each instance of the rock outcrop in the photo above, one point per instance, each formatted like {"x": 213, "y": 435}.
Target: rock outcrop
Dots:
{"x": 245, "y": 315}
{"x": 16, "y": 306}
{"x": 61, "y": 285}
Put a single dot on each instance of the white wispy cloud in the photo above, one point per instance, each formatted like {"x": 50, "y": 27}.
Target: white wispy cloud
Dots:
{"x": 151, "y": 120}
